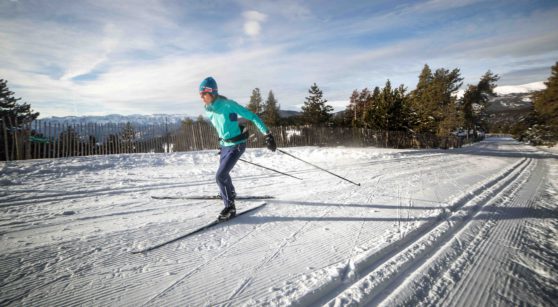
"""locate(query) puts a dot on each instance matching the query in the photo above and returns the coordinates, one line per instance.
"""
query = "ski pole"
(269, 169)
(288, 154)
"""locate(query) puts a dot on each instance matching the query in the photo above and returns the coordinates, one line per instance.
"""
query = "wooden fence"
(39, 140)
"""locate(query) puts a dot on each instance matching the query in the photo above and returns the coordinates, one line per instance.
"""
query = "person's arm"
(249, 115)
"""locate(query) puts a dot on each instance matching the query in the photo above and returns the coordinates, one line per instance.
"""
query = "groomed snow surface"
(475, 226)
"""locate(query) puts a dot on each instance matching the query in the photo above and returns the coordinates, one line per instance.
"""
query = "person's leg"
(229, 157)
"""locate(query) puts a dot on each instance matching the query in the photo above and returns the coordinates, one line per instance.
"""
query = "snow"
(523, 88)
(473, 226)
(503, 90)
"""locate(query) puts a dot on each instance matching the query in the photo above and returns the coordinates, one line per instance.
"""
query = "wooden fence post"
(5, 132)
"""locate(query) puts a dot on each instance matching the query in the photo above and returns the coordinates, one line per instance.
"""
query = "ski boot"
(228, 213)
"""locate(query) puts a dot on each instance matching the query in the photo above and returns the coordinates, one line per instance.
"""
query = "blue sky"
(81, 57)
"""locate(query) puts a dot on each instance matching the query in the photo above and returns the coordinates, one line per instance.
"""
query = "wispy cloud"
(149, 56)
(252, 23)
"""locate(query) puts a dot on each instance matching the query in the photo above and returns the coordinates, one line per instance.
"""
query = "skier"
(223, 114)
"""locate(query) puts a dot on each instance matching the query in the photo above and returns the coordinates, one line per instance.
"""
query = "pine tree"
(360, 110)
(356, 112)
(384, 105)
(470, 98)
(15, 117)
(271, 111)
(545, 106)
(425, 79)
(12, 112)
(434, 101)
(399, 110)
(475, 100)
(423, 103)
(390, 110)
(445, 84)
(370, 108)
(128, 136)
(315, 110)
(200, 119)
(187, 121)
(255, 104)
(350, 114)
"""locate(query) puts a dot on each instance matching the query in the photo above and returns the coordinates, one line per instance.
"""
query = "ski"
(201, 197)
(197, 230)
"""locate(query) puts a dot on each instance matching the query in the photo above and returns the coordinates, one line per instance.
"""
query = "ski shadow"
(364, 206)
(485, 214)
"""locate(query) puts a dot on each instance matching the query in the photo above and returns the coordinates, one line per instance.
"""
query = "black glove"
(270, 142)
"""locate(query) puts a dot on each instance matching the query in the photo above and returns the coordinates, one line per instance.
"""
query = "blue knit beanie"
(209, 85)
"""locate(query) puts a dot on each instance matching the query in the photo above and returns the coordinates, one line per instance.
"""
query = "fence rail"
(39, 140)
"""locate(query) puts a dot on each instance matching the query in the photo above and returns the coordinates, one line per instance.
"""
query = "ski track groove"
(423, 231)
(487, 265)
(510, 181)
(488, 226)
(479, 249)
(496, 227)
(507, 231)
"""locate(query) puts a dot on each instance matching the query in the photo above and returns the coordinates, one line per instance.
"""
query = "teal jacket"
(223, 114)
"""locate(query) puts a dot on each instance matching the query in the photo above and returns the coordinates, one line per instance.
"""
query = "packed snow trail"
(469, 226)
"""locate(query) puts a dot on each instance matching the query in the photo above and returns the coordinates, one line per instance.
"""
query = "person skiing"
(223, 114)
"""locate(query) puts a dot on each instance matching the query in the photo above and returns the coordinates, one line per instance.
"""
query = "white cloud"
(90, 59)
(438, 5)
(255, 16)
(252, 28)
(252, 22)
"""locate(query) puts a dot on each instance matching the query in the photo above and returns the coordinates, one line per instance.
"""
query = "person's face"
(207, 98)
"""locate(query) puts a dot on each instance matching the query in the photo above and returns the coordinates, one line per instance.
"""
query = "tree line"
(432, 107)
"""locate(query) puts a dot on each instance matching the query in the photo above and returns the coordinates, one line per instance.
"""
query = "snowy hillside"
(475, 226)
(520, 89)
(514, 97)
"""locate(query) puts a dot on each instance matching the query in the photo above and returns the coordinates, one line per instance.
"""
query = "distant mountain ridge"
(514, 97)
(512, 104)
(134, 119)
(118, 119)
